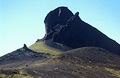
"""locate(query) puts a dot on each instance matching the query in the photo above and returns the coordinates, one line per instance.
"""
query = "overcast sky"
(22, 21)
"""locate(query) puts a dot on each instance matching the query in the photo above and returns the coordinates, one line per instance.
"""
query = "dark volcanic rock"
(56, 17)
(64, 27)
(25, 46)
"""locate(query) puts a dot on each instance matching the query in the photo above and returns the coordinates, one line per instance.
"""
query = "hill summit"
(64, 27)
(71, 48)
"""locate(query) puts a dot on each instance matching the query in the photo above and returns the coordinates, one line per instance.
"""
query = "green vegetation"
(78, 63)
(14, 73)
(113, 71)
(3, 76)
(18, 73)
(42, 47)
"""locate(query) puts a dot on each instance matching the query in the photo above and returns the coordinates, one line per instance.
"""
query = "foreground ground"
(87, 62)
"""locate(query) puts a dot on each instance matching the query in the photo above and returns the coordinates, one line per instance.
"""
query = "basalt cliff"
(67, 28)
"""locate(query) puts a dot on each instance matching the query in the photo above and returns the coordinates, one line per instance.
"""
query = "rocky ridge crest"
(66, 28)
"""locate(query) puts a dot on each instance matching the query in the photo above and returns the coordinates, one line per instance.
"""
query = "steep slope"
(75, 33)
(59, 17)
(49, 47)
(86, 62)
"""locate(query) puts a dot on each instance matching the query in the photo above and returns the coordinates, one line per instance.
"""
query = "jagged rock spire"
(25, 46)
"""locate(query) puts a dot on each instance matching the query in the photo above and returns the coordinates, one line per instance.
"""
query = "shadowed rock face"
(56, 17)
(64, 27)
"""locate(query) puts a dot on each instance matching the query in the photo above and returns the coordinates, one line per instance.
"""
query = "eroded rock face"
(70, 30)
(59, 16)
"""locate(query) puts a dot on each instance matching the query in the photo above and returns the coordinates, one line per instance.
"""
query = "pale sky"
(22, 21)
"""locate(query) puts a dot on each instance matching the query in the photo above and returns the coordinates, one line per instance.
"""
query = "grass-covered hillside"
(49, 47)
(86, 62)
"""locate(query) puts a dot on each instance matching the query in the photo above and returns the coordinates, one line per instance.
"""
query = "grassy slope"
(79, 63)
(48, 47)
(16, 73)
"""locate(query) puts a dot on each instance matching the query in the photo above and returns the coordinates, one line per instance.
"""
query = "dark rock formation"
(25, 46)
(64, 27)
(56, 17)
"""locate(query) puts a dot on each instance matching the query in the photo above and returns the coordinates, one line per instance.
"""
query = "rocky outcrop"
(22, 55)
(56, 17)
(64, 27)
